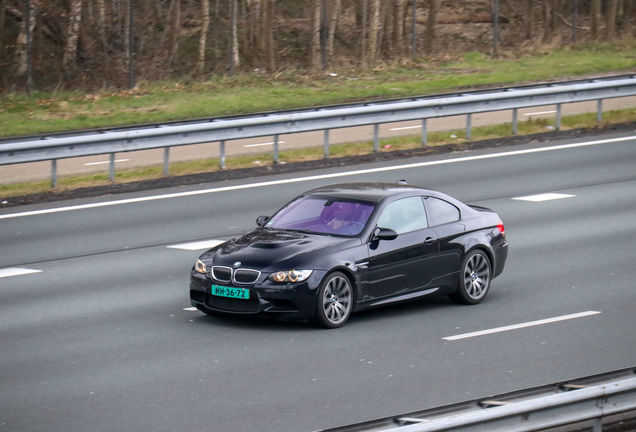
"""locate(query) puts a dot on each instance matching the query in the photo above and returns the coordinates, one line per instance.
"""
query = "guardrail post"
(275, 149)
(424, 133)
(166, 161)
(53, 173)
(599, 110)
(111, 168)
(469, 121)
(376, 138)
(325, 144)
(515, 121)
(557, 124)
(222, 155)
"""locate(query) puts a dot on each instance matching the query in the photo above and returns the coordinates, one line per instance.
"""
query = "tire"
(474, 279)
(334, 302)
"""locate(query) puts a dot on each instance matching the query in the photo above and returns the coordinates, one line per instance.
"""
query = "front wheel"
(474, 279)
(335, 301)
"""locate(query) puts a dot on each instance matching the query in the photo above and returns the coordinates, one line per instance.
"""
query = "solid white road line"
(7, 272)
(263, 144)
(405, 128)
(539, 113)
(317, 177)
(520, 326)
(207, 244)
(105, 162)
(544, 197)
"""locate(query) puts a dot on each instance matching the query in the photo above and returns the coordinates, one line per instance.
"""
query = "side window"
(440, 212)
(404, 215)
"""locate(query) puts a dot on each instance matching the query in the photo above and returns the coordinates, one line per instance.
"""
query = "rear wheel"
(335, 301)
(474, 278)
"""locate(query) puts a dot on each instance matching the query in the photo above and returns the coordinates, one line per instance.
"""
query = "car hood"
(261, 248)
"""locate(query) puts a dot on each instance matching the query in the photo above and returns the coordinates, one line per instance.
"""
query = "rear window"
(440, 212)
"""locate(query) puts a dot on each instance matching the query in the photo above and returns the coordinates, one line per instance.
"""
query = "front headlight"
(200, 267)
(290, 276)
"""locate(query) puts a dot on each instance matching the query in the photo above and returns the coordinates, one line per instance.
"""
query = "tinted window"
(404, 215)
(441, 212)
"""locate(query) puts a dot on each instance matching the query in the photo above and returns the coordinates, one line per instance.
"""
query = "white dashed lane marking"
(520, 326)
(200, 245)
(15, 271)
(544, 197)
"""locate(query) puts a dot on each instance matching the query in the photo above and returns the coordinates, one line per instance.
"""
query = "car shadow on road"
(385, 313)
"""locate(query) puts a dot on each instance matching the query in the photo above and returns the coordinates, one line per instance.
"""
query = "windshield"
(323, 215)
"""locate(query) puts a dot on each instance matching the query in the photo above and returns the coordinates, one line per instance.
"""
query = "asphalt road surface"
(96, 331)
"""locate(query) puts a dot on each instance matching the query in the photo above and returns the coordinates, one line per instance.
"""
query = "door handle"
(430, 240)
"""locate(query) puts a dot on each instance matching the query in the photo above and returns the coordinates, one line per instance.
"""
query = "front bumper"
(288, 301)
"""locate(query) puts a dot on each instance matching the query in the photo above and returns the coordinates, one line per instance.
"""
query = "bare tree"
(610, 20)
(72, 35)
(2, 18)
(333, 24)
(269, 35)
(399, 15)
(236, 59)
(21, 45)
(203, 38)
(595, 15)
(429, 32)
(374, 31)
(316, 12)
(175, 31)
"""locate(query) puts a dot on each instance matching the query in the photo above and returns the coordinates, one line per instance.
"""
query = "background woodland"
(93, 44)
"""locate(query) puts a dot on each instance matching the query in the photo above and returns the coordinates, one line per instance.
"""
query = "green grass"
(315, 153)
(46, 112)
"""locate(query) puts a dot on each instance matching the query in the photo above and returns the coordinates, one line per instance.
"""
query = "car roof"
(370, 191)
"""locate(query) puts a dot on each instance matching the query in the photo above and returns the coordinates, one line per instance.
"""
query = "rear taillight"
(500, 227)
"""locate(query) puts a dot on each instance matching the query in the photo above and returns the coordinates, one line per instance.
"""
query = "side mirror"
(261, 221)
(384, 234)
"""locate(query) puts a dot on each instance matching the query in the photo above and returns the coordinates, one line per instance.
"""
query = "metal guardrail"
(587, 399)
(220, 130)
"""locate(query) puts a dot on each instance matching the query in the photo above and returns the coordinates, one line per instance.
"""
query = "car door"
(445, 219)
(406, 263)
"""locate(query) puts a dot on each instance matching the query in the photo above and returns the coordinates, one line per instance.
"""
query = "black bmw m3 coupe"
(346, 247)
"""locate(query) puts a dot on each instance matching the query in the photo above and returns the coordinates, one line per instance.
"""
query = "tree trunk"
(364, 17)
(101, 19)
(2, 65)
(398, 26)
(175, 31)
(315, 34)
(72, 35)
(610, 20)
(205, 25)
(21, 44)
(429, 32)
(255, 35)
(374, 31)
(333, 26)
(269, 35)
(236, 59)
(595, 14)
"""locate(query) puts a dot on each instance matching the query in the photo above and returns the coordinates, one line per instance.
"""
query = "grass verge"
(47, 112)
